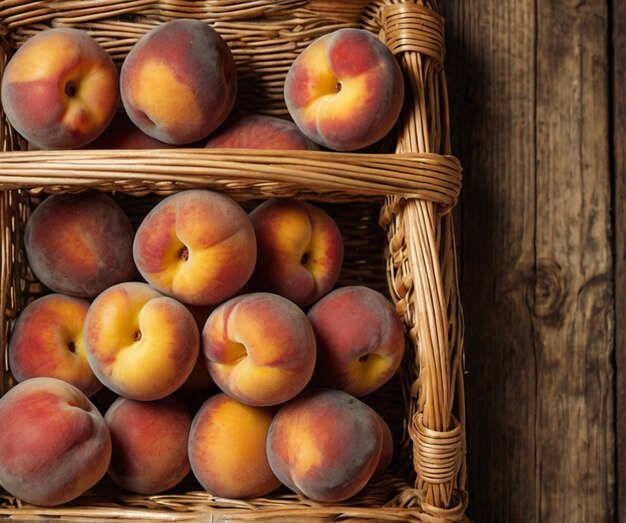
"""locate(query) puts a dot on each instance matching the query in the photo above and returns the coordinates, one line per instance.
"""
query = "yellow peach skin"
(140, 344)
(360, 339)
(345, 90)
(227, 448)
(299, 250)
(259, 348)
(325, 444)
(178, 83)
(54, 444)
(47, 341)
(60, 90)
(197, 246)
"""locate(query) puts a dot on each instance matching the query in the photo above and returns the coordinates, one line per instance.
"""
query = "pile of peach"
(178, 85)
(238, 310)
(226, 346)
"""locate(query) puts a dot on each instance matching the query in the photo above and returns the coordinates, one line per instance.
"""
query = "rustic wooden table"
(538, 108)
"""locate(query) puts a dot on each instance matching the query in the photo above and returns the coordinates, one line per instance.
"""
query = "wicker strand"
(414, 28)
(429, 177)
(439, 453)
(16, 13)
(415, 223)
(5, 281)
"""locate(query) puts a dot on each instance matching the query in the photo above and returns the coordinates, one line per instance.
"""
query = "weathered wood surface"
(537, 111)
(618, 144)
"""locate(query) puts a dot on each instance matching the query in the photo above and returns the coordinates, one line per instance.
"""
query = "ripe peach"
(79, 244)
(325, 444)
(227, 448)
(299, 250)
(360, 339)
(60, 89)
(178, 83)
(54, 444)
(48, 341)
(197, 246)
(122, 133)
(257, 131)
(345, 90)
(149, 443)
(388, 448)
(259, 348)
(140, 344)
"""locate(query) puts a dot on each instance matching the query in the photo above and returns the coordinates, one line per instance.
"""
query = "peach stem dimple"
(70, 89)
(363, 358)
(304, 259)
(137, 335)
(71, 347)
(184, 254)
(338, 87)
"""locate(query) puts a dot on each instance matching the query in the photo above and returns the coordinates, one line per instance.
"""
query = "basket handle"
(422, 266)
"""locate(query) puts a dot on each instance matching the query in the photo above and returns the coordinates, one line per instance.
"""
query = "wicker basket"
(392, 205)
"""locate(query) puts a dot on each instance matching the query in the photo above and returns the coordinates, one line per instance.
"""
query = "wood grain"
(618, 128)
(529, 92)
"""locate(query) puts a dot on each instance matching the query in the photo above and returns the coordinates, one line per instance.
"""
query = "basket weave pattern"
(393, 207)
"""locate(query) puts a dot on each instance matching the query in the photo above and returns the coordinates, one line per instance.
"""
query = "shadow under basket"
(393, 205)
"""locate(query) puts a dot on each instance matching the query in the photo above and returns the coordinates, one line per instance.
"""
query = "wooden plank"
(491, 92)
(529, 98)
(619, 155)
(574, 331)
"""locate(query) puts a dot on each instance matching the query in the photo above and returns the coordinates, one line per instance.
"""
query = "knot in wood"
(408, 27)
(546, 290)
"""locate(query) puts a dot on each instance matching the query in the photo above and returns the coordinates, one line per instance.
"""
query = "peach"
(360, 340)
(197, 246)
(48, 341)
(345, 90)
(60, 89)
(325, 444)
(388, 448)
(122, 133)
(258, 131)
(54, 444)
(140, 344)
(299, 250)
(227, 448)
(178, 83)
(149, 440)
(260, 348)
(79, 244)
